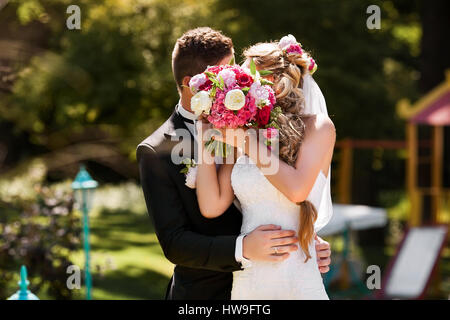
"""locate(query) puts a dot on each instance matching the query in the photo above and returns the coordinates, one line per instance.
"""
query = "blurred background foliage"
(114, 75)
(91, 95)
(42, 232)
(98, 91)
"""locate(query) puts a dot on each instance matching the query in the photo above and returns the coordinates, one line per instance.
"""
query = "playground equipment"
(346, 149)
(410, 271)
(431, 110)
(429, 200)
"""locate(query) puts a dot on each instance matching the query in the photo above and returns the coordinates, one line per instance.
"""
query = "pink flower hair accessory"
(312, 66)
(290, 45)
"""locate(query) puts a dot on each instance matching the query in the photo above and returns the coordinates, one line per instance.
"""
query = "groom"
(205, 251)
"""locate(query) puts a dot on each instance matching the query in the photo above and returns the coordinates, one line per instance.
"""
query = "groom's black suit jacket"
(203, 250)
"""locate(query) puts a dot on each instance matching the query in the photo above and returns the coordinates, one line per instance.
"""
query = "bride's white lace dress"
(262, 204)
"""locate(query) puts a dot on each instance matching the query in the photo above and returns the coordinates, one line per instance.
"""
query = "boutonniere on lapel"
(190, 172)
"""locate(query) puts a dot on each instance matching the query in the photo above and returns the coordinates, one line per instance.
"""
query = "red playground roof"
(432, 109)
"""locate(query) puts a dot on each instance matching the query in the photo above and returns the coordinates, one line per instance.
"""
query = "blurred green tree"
(114, 73)
(116, 69)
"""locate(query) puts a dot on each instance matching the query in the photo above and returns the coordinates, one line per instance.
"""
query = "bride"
(296, 196)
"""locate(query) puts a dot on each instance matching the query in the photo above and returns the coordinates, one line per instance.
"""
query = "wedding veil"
(315, 104)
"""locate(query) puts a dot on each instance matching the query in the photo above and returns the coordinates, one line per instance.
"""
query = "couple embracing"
(237, 230)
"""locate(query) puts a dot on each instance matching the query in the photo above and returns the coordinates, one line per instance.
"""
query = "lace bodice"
(261, 204)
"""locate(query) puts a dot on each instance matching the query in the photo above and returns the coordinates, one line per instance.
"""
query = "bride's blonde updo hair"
(288, 70)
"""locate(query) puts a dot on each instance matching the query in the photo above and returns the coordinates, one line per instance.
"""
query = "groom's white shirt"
(239, 241)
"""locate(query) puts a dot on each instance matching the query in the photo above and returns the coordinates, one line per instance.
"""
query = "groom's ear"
(185, 82)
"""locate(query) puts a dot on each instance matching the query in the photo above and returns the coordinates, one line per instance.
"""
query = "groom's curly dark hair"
(197, 49)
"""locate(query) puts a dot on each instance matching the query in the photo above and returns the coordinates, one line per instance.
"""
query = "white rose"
(235, 99)
(191, 177)
(201, 102)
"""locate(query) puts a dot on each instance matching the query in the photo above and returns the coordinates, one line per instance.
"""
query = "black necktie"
(184, 118)
(188, 121)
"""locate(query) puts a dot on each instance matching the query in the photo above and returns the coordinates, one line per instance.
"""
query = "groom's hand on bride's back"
(269, 243)
(323, 251)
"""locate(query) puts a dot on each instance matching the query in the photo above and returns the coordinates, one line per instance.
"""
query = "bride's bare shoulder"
(322, 125)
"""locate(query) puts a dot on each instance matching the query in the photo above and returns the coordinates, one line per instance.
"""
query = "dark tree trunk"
(435, 57)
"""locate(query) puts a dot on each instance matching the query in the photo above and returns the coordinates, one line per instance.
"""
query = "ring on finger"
(275, 250)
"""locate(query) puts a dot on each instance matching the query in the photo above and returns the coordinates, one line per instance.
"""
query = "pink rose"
(244, 80)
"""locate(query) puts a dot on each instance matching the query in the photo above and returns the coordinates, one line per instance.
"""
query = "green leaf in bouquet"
(265, 81)
(224, 150)
(252, 67)
(211, 76)
(263, 73)
(212, 94)
(218, 148)
(212, 146)
(245, 90)
(208, 144)
(218, 83)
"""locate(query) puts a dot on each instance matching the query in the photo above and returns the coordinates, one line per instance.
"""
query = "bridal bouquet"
(231, 96)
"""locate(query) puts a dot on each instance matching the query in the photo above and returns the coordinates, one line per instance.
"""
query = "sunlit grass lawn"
(126, 259)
